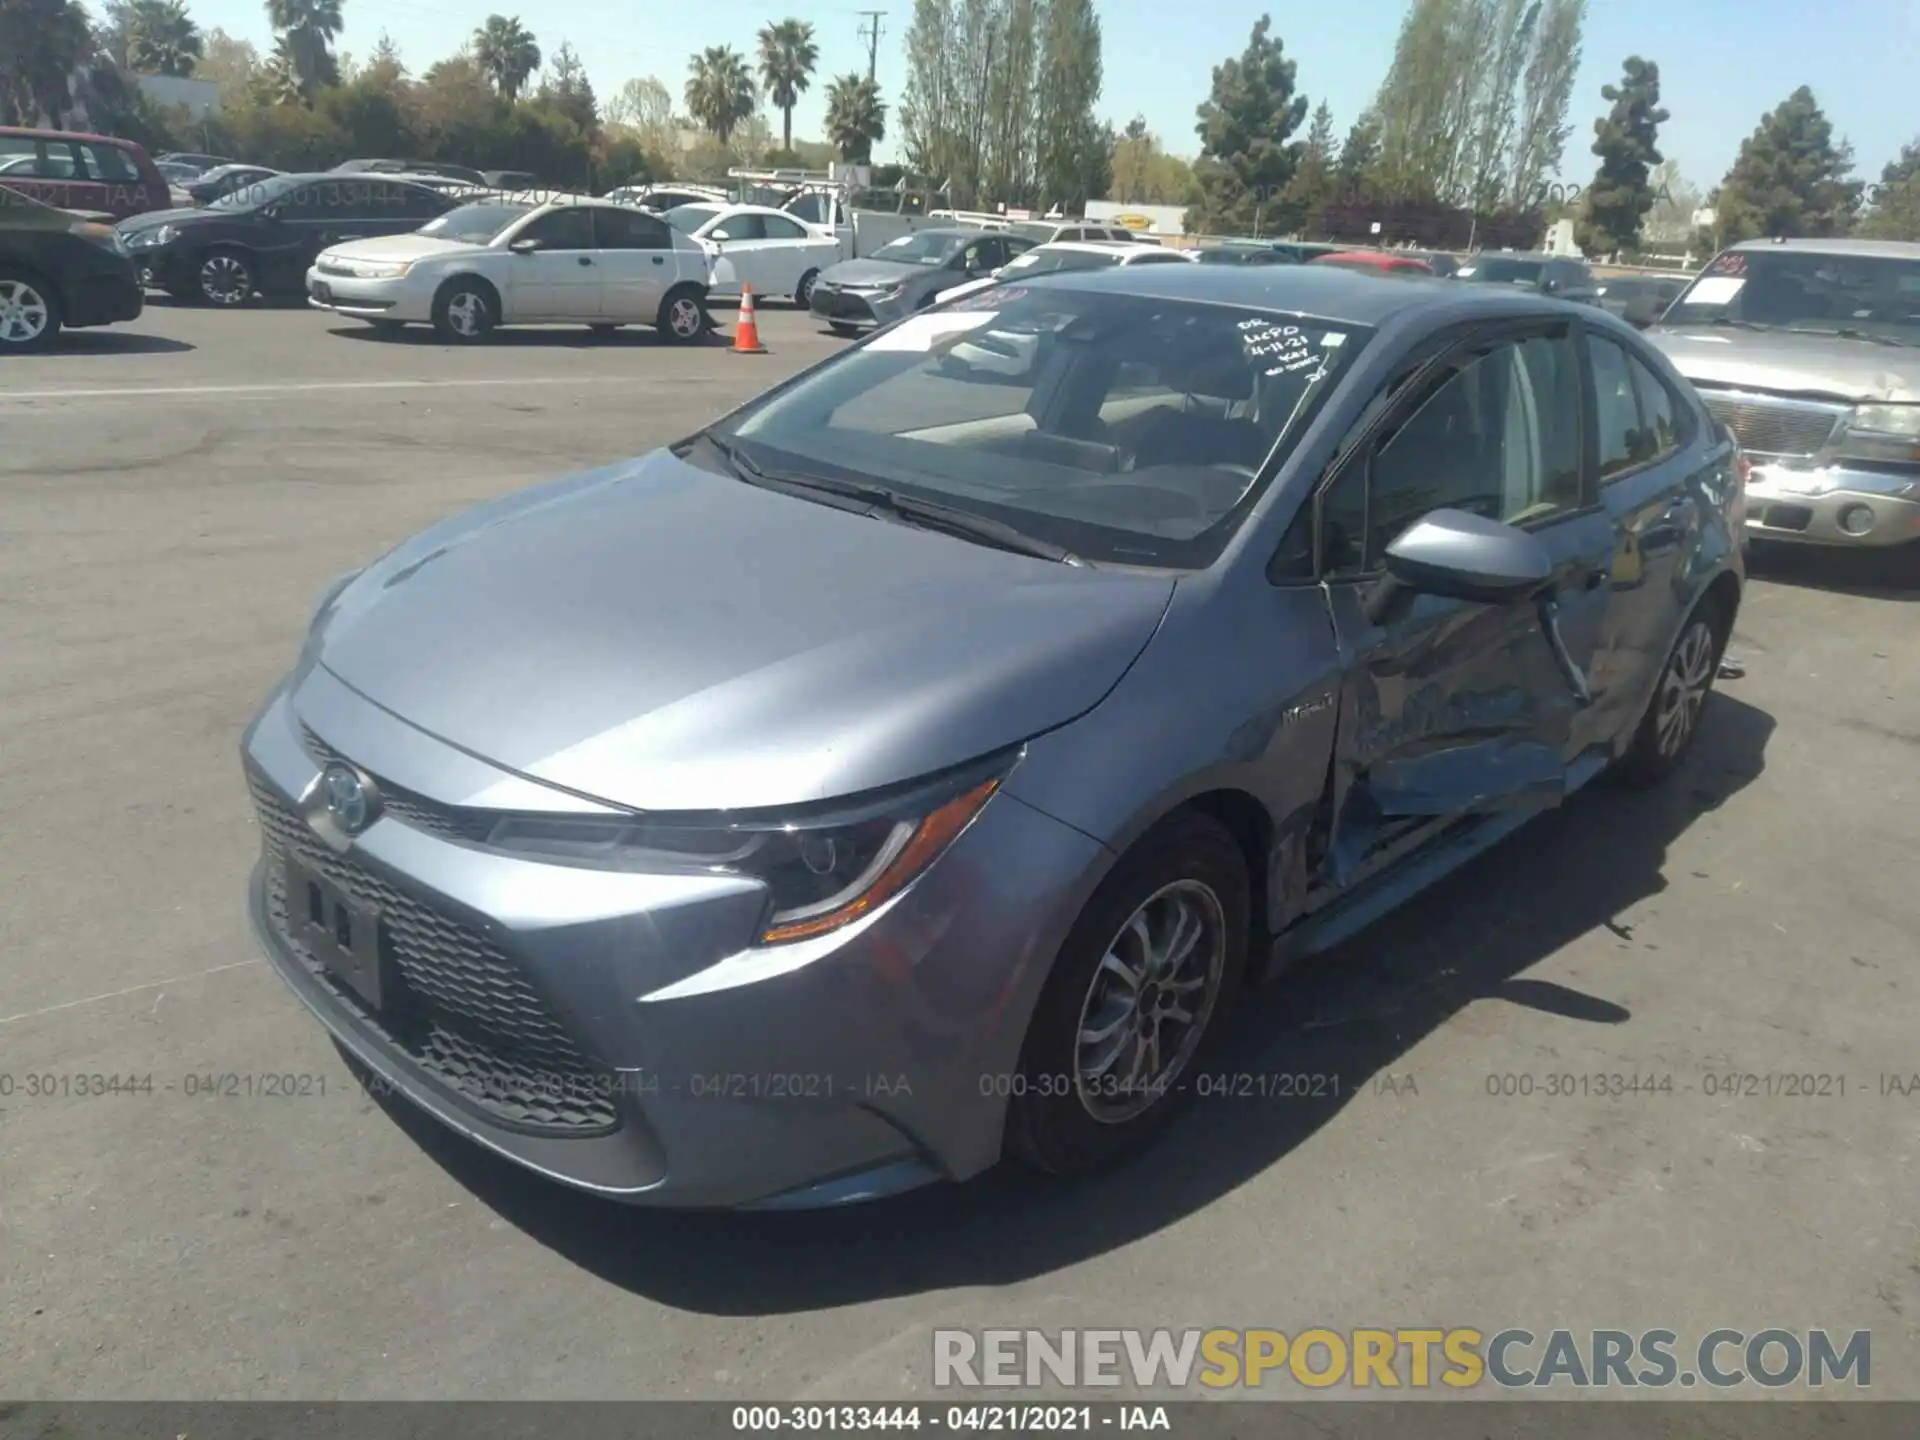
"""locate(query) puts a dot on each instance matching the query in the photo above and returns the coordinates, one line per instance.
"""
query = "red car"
(72, 171)
(1377, 262)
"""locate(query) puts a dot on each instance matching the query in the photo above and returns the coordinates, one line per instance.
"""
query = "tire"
(1666, 731)
(465, 312)
(1068, 1115)
(29, 312)
(224, 279)
(683, 316)
(841, 328)
(803, 292)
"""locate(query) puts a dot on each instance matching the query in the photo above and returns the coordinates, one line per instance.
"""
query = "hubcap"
(23, 312)
(1151, 998)
(224, 280)
(1683, 689)
(806, 291)
(467, 313)
(684, 317)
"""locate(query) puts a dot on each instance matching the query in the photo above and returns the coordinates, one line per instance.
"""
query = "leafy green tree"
(1246, 154)
(1072, 150)
(1790, 178)
(162, 38)
(1541, 132)
(1895, 207)
(720, 93)
(306, 30)
(1627, 141)
(565, 88)
(384, 70)
(788, 58)
(856, 117)
(1359, 156)
(229, 63)
(42, 44)
(1313, 182)
(507, 51)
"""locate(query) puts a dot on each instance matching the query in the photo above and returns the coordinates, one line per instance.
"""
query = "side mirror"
(525, 247)
(1467, 557)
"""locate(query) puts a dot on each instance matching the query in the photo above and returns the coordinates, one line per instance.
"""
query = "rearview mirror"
(524, 247)
(1468, 557)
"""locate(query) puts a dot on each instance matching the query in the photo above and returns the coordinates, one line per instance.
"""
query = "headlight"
(379, 269)
(165, 235)
(822, 872)
(1889, 433)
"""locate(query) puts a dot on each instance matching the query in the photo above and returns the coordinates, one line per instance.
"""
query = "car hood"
(154, 219)
(873, 272)
(663, 638)
(399, 248)
(1792, 363)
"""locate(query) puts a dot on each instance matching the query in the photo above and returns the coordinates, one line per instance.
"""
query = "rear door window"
(109, 163)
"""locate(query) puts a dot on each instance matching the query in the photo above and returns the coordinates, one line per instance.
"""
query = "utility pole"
(870, 31)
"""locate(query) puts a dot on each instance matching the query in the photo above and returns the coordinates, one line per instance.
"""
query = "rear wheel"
(29, 312)
(1672, 720)
(683, 318)
(465, 312)
(803, 293)
(1134, 998)
(225, 279)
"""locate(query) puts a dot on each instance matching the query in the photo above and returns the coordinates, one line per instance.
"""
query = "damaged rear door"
(1453, 709)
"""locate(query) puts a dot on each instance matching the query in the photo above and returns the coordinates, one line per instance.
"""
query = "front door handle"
(659, 259)
(586, 259)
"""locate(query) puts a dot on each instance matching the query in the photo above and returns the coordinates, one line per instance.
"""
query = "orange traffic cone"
(746, 330)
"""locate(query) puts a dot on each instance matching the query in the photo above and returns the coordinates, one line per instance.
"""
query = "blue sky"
(1722, 65)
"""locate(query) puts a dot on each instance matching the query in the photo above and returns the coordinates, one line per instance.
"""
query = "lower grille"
(464, 1012)
(1774, 427)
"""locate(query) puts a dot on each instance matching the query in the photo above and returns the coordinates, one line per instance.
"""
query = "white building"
(199, 98)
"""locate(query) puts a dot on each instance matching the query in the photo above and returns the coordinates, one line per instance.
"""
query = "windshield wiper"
(877, 499)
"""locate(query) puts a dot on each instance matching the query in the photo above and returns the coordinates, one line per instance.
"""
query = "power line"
(871, 31)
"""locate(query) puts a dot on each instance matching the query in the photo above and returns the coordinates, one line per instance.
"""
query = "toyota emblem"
(348, 798)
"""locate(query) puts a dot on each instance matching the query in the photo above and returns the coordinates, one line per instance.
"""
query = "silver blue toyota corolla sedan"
(911, 767)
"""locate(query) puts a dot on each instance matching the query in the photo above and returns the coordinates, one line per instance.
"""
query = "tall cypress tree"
(1790, 178)
(1246, 153)
(1625, 139)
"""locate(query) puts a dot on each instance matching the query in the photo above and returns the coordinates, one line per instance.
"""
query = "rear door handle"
(586, 259)
(659, 259)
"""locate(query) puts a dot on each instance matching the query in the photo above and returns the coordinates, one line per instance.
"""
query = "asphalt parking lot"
(172, 495)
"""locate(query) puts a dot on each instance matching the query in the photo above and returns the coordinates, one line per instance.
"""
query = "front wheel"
(225, 279)
(1672, 720)
(803, 293)
(465, 312)
(683, 318)
(1134, 997)
(29, 313)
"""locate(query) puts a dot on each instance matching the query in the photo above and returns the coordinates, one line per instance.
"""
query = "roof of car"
(1873, 249)
(1327, 291)
(29, 132)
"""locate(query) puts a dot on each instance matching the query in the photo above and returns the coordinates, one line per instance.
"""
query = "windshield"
(1807, 291)
(1501, 272)
(475, 224)
(923, 247)
(265, 192)
(1034, 229)
(1046, 262)
(689, 218)
(1127, 429)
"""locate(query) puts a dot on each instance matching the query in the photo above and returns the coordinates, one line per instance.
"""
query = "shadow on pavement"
(1353, 1012)
(1891, 573)
(112, 342)
(576, 337)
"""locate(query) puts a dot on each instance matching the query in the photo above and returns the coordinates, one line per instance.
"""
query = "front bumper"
(620, 1032)
(856, 307)
(104, 297)
(404, 297)
(1832, 506)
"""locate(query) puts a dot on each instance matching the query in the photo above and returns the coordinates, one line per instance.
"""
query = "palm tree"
(720, 91)
(856, 117)
(162, 38)
(506, 51)
(277, 82)
(41, 45)
(307, 29)
(787, 59)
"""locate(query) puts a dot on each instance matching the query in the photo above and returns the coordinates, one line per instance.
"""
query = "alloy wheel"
(467, 314)
(1683, 689)
(683, 318)
(225, 281)
(1149, 1003)
(23, 313)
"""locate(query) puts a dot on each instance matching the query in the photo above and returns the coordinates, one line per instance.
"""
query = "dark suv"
(92, 174)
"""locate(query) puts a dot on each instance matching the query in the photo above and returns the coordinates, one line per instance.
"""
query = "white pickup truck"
(820, 200)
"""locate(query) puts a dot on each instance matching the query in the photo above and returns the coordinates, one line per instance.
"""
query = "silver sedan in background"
(902, 772)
